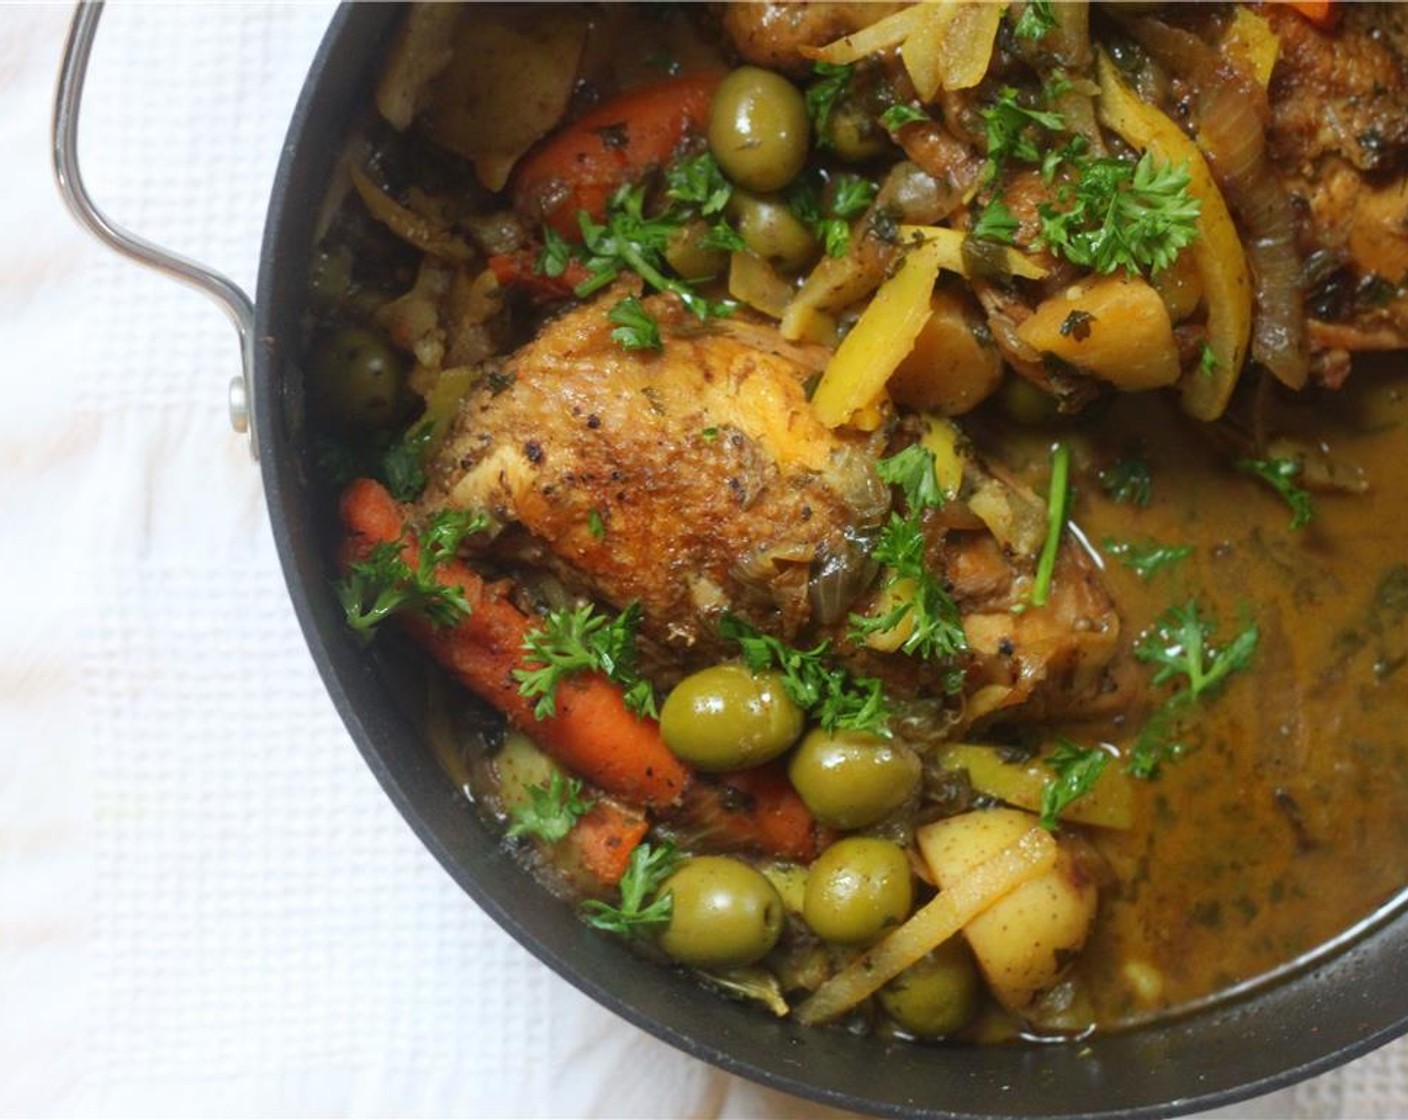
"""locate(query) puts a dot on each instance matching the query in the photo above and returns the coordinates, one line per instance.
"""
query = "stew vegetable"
(909, 478)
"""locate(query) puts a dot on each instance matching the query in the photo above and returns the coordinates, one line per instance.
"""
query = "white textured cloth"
(207, 906)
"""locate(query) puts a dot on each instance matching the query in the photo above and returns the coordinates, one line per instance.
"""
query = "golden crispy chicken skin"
(696, 480)
(664, 477)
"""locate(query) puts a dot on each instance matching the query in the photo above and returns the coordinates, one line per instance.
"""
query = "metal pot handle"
(229, 295)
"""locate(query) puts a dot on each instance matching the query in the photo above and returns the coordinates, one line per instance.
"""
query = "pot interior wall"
(1300, 1027)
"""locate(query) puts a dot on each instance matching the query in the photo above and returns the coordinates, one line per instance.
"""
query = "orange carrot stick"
(583, 165)
(754, 810)
(519, 270)
(601, 842)
(593, 733)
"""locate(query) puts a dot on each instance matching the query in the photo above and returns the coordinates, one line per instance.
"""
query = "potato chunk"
(1023, 942)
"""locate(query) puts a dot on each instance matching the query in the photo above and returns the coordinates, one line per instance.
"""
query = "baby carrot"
(593, 733)
(582, 166)
(753, 810)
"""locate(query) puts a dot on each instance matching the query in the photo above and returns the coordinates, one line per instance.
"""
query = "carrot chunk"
(583, 165)
(594, 734)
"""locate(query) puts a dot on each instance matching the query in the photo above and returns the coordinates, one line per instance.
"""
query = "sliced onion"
(1230, 130)
(841, 572)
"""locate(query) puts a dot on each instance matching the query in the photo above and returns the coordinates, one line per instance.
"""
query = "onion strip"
(952, 909)
(1217, 251)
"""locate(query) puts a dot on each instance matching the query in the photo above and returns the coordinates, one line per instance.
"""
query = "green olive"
(358, 381)
(689, 256)
(723, 913)
(857, 889)
(728, 718)
(758, 129)
(937, 995)
(772, 231)
(851, 780)
(1027, 405)
(855, 133)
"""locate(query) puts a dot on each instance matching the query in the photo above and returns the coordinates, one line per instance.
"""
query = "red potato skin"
(582, 166)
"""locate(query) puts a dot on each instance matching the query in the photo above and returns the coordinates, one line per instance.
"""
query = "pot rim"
(1233, 1051)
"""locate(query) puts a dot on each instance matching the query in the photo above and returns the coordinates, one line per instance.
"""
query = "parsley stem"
(595, 283)
(1057, 499)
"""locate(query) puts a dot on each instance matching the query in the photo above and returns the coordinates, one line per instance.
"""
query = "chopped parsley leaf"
(1076, 771)
(628, 240)
(829, 85)
(1144, 558)
(636, 328)
(698, 182)
(580, 640)
(383, 583)
(1207, 360)
(833, 696)
(1281, 475)
(936, 632)
(996, 223)
(897, 116)
(403, 463)
(647, 868)
(1120, 215)
(1013, 129)
(555, 254)
(551, 810)
(1036, 20)
(1180, 645)
(912, 470)
(1129, 482)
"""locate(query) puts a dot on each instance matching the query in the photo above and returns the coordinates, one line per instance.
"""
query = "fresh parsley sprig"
(647, 868)
(912, 470)
(636, 328)
(1128, 481)
(836, 699)
(1147, 557)
(383, 584)
(1281, 475)
(1036, 20)
(1180, 645)
(629, 241)
(829, 84)
(1120, 215)
(582, 640)
(1077, 769)
(936, 626)
(996, 223)
(551, 809)
(1057, 502)
(827, 208)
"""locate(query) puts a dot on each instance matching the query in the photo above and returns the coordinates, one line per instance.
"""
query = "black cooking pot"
(1269, 1036)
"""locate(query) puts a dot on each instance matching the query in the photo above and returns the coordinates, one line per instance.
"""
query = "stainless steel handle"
(225, 292)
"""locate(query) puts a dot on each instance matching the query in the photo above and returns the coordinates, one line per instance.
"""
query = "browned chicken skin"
(692, 464)
(696, 481)
(1339, 137)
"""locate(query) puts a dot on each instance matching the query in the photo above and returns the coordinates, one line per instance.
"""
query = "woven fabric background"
(207, 906)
